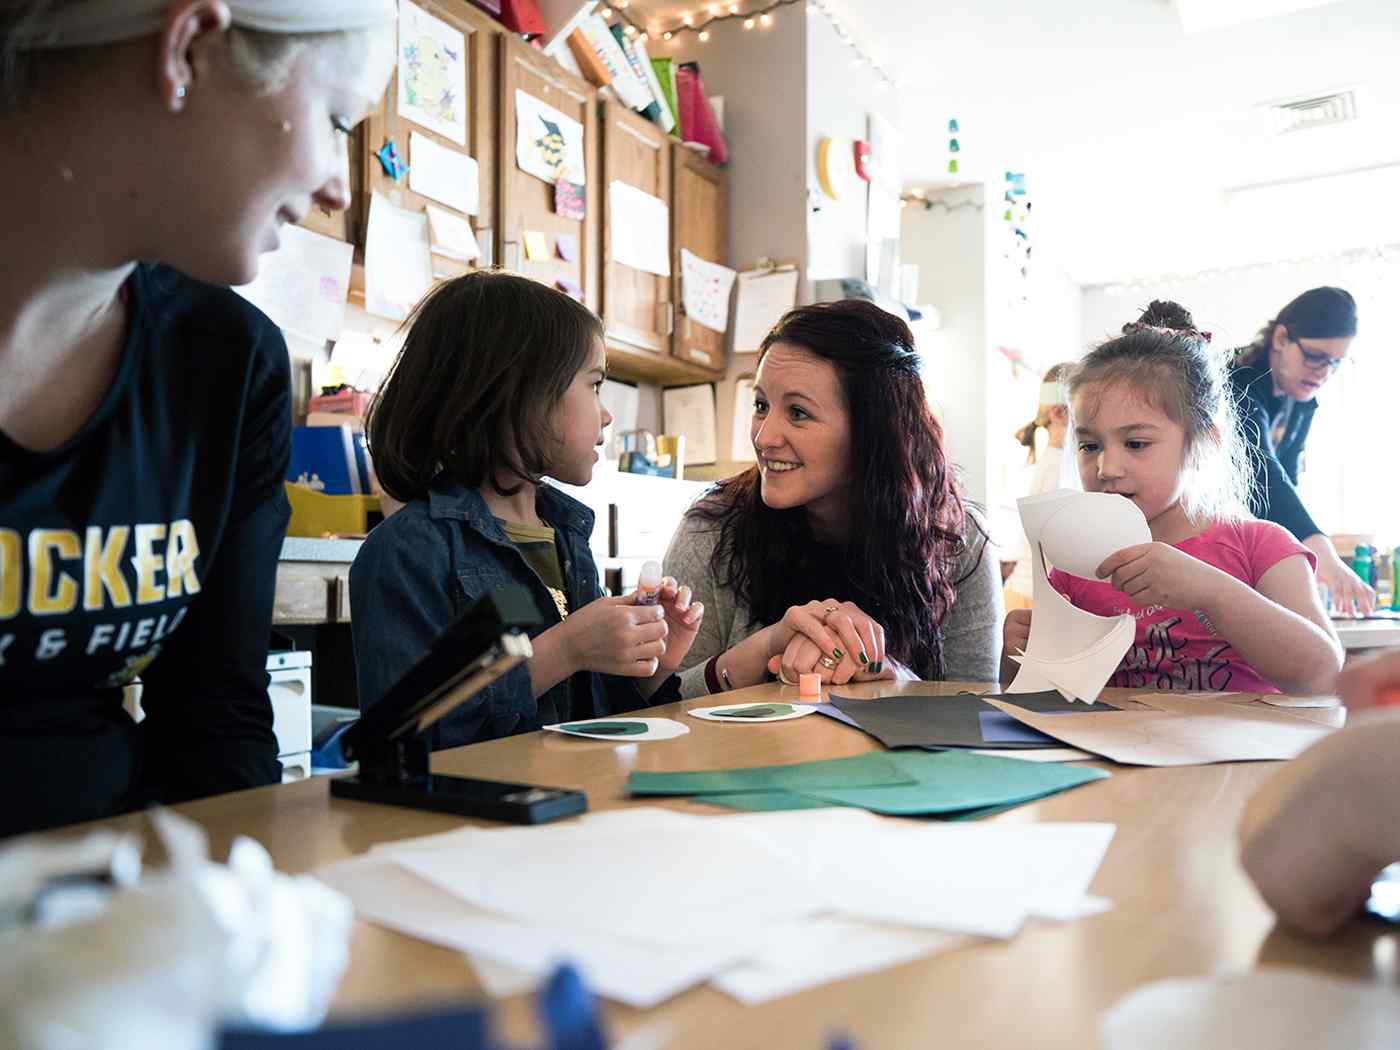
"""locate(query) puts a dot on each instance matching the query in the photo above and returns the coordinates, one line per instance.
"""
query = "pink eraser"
(809, 687)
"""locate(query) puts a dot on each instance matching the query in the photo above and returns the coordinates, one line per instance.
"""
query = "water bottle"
(1361, 563)
(1395, 579)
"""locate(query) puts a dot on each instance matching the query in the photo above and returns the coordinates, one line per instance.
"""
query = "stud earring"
(180, 91)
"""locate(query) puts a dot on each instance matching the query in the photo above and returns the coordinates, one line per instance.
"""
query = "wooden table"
(1182, 905)
(1358, 635)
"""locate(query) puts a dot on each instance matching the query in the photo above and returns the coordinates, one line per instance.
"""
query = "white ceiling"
(1131, 130)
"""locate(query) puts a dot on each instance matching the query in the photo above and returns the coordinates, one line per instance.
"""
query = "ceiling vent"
(1315, 111)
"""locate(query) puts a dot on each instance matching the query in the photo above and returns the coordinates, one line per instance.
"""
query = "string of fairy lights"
(751, 17)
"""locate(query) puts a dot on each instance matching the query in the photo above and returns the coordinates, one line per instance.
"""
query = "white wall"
(948, 243)
(1341, 482)
(840, 98)
(761, 75)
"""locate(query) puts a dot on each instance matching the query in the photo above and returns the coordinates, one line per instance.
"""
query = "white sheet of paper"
(760, 301)
(432, 73)
(1179, 732)
(1069, 649)
(807, 953)
(1083, 675)
(708, 713)
(796, 879)
(656, 729)
(690, 410)
(547, 143)
(624, 883)
(398, 259)
(705, 289)
(1271, 1009)
(1090, 527)
(639, 229)
(443, 174)
(640, 975)
(452, 235)
(303, 285)
(982, 879)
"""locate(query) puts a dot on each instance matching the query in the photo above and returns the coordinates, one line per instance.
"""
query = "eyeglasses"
(1314, 360)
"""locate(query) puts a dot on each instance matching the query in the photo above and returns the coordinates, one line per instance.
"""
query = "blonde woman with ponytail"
(1053, 416)
(153, 151)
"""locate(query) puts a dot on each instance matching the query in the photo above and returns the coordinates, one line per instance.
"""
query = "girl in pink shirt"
(1223, 602)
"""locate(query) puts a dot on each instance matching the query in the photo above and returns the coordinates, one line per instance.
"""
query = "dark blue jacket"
(422, 567)
(1274, 497)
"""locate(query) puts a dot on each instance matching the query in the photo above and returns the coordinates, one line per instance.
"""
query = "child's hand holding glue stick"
(682, 616)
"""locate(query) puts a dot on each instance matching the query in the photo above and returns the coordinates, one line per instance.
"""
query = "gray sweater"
(971, 632)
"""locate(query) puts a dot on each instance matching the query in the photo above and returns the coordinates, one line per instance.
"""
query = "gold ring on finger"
(828, 663)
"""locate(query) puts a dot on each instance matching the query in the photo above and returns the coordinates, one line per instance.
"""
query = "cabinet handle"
(670, 317)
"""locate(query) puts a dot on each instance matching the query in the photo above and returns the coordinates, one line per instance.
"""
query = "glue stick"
(809, 688)
(649, 585)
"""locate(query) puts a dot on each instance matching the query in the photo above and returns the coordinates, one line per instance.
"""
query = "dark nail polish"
(863, 659)
(880, 666)
(836, 654)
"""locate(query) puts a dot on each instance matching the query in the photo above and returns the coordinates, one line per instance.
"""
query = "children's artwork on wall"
(569, 202)
(705, 288)
(548, 144)
(432, 73)
(390, 161)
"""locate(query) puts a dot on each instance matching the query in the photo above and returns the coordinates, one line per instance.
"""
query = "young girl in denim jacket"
(496, 388)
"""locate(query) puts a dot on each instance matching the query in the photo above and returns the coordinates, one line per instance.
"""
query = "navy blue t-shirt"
(146, 545)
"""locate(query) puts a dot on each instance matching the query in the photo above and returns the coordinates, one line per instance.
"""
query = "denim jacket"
(417, 572)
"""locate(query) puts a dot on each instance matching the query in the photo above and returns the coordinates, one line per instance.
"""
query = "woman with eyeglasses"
(1275, 381)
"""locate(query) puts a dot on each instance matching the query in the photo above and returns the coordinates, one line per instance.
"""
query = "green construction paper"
(754, 711)
(764, 801)
(956, 781)
(605, 728)
(875, 769)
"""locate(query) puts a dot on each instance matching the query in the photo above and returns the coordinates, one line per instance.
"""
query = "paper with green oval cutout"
(629, 730)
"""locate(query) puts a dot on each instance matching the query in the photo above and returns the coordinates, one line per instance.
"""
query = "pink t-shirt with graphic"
(1173, 650)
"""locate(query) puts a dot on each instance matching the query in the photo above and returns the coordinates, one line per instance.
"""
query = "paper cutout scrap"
(569, 288)
(566, 247)
(1069, 649)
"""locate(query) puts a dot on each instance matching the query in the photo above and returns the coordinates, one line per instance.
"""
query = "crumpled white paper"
(166, 960)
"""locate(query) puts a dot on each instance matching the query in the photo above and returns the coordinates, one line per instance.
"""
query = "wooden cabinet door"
(637, 313)
(482, 119)
(527, 202)
(700, 224)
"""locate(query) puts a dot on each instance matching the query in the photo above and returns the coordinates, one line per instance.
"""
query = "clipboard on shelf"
(762, 296)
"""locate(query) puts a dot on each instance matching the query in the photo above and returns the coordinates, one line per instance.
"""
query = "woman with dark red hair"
(846, 550)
